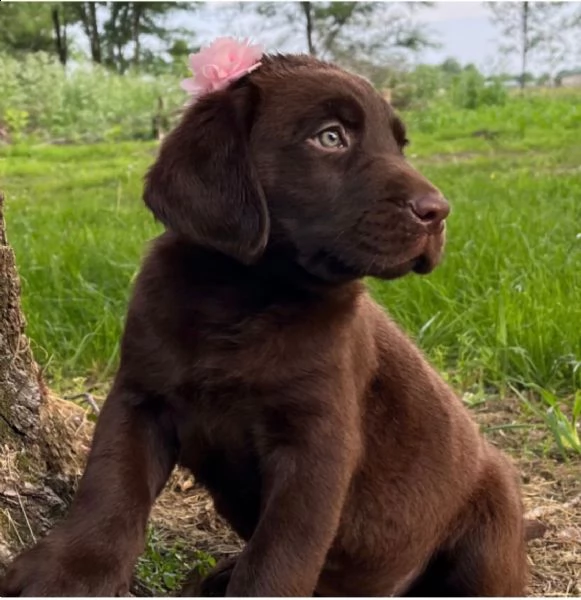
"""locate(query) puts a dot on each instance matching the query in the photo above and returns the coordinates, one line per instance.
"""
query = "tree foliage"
(25, 27)
(118, 35)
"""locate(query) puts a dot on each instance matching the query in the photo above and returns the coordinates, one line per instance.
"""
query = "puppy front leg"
(305, 485)
(92, 552)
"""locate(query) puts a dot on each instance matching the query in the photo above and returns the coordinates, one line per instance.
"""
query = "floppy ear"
(203, 185)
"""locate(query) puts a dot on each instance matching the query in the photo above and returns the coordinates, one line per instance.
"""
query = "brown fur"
(254, 356)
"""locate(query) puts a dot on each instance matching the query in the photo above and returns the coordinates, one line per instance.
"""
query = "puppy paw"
(51, 568)
(214, 585)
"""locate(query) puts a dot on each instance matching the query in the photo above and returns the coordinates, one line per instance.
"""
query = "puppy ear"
(203, 185)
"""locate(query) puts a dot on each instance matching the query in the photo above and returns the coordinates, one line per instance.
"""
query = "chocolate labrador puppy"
(254, 356)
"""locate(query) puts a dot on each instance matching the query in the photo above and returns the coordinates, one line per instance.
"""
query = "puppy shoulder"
(376, 319)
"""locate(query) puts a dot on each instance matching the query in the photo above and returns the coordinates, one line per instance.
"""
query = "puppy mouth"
(423, 265)
(334, 266)
(424, 259)
(338, 270)
(395, 272)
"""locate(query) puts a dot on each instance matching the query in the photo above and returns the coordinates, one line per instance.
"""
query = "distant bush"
(416, 88)
(470, 89)
(426, 84)
(84, 103)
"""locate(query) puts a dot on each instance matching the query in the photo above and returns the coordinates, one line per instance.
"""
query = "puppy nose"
(431, 208)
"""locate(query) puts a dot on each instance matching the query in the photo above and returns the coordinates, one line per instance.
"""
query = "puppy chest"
(220, 454)
(215, 431)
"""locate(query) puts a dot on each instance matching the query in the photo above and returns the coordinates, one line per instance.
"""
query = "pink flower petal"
(191, 87)
(223, 61)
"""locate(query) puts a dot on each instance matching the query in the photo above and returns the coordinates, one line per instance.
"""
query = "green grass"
(543, 121)
(503, 304)
(165, 564)
(502, 309)
(79, 230)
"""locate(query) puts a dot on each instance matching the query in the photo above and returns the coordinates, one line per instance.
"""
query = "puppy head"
(304, 158)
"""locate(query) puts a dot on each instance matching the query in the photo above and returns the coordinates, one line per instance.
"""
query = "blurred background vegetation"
(89, 71)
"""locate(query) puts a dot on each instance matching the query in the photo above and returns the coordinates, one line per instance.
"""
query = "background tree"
(533, 29)
(86, 15)
(451, 66)
(62, 16)
(128, 24)
(26, 28)
(116, 30)
(119, 35)
(340, 30)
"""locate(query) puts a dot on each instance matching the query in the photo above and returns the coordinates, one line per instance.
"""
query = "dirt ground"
(552, 495)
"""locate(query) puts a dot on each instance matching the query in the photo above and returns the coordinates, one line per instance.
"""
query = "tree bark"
(43, 440)
(60, 32)
(87, 15)
(136, 34)
(525, 44)
(307, 9)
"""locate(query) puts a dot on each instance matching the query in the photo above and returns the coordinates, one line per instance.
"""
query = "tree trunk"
(87, 15)
(525, 44)
(95, 39)
(307, 9)
(43, 440)
(136, 34)
(60, 32)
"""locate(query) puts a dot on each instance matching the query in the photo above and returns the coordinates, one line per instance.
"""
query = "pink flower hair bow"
(225, 60)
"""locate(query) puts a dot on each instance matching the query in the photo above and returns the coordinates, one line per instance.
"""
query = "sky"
(465, 32)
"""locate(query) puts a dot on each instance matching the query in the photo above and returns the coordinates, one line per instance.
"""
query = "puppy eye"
(331, 138)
